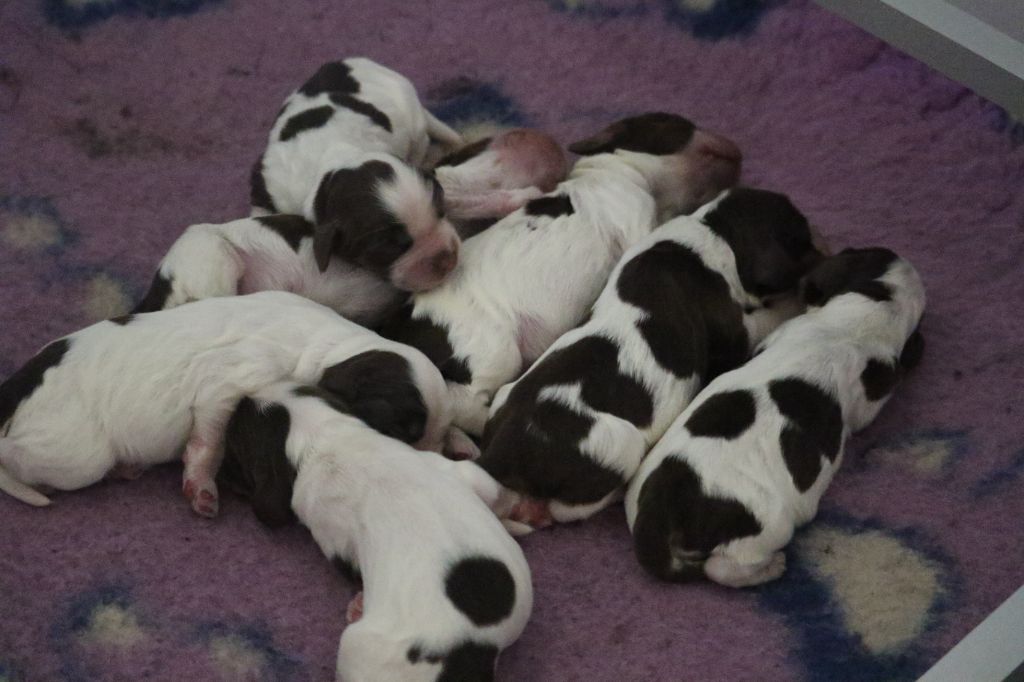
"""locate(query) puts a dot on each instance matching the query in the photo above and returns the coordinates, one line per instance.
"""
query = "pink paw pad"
(534, 513)
(355, 608)
(206, 504)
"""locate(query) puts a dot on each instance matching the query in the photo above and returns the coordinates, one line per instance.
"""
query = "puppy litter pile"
(312, 417)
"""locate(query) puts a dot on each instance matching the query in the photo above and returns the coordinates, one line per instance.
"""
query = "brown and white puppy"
(746, 463)
(684, 305)
(445, 588)
(139, 390)
(533, 275)
(343, 154)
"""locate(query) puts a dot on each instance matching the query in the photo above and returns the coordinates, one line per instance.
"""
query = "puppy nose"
(718, 147)
(445, 262)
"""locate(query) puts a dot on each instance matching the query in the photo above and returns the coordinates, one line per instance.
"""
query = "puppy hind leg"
(204, 453)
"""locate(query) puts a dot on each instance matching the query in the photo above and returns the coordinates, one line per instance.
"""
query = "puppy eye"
(388, 246)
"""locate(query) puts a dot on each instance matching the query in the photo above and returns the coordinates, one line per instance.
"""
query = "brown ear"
(603, 142)
(913, 351)
(324, 237)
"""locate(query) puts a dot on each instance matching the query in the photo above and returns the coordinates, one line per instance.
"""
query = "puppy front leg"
(727, 571)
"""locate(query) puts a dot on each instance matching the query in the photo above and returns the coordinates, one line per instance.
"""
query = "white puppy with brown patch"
(372, 504)
(342, 154)
(131, 392)
(746, 463)
(532, 276)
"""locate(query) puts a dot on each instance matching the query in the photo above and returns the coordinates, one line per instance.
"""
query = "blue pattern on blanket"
(71, 14)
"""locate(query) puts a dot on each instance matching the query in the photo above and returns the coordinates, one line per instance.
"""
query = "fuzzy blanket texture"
(124, 121)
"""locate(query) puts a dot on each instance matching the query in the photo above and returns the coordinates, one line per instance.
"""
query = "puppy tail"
(15, 488)
(441, 132)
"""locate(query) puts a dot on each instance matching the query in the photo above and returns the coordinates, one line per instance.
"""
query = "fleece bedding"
(124, 121)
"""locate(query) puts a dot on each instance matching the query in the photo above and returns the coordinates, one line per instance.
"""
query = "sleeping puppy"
(267, 253)
(490, 178)
(128, 393)
(372, 503)
(746, 463)
(342, 154)
(275, 252)
(533, 275)
(351, 103)
(684, 305)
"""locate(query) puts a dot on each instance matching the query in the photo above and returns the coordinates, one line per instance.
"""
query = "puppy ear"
(913, 351)
(603, 142)
(255, 464)
(379, 388)
(326, 238)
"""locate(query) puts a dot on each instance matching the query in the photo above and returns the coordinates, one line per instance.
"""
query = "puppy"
(354, 102)
(372, 503)
(275, 252)
(339, 154)
(746, 463)
(131, 392)
(533, 275)
(494, 176)
(266, 253)
(684, 304)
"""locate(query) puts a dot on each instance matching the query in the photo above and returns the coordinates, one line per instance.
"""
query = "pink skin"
(518, 165)
(355, 608)
(198, 485)
(717, 165)
(528, 158)
(531, 512)
(428, 263)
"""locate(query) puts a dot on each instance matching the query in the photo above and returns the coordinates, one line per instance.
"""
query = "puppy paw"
(202, 496)
(775, 568)
(532, 513)
(355, 608)
(459, 446)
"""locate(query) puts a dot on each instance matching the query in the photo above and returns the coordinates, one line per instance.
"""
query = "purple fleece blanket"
(123, 121)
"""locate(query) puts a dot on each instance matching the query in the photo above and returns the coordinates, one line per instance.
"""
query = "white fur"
(402, 517)
(293, 168)
(136, 394)
(529, 279)
(828, 347)
(615, 443)
(244, 256)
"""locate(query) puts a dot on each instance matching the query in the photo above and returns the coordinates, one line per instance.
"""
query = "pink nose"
(719, 147)
(445, 262)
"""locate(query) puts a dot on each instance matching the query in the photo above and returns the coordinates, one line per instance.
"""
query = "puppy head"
(388, 218)
(686, 166)
(879, 275)
(859, 271)
(401, 397)
(369, 654)
(772, 241)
